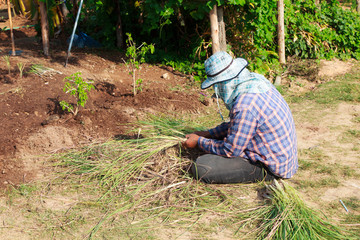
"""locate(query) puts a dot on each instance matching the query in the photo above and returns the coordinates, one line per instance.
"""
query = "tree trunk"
(281, 35)
(11, 30)
(317, 3)
(119, 29)
(222, 32)
(214, 30)
(44, 28)
(358, 6)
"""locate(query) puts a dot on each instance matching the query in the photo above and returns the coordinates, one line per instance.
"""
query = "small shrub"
(136, 57)
(78, 88)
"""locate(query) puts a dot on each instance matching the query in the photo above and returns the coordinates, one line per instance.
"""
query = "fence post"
(281, 34)
(222, 32)
(13, 53)
(44, 28)
(214, 25)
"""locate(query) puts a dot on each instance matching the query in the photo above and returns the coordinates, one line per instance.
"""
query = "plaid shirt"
(261, 128)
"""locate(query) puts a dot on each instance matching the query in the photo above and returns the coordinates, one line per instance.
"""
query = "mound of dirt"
(334, 68)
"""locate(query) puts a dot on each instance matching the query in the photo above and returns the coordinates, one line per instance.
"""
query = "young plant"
(7, 61)
(136, 56)
(21, 67)
(78, 88)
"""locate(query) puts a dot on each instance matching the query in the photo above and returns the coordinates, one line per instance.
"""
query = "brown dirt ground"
(32, 121)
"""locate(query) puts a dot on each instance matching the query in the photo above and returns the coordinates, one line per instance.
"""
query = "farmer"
(259, 141)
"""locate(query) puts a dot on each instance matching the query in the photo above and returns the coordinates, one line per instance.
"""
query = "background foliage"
(180, 29)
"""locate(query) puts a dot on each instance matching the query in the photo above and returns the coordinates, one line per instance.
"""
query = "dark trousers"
(211, 168)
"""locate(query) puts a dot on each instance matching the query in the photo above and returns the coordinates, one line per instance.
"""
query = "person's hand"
(205, 134)
(191, 141)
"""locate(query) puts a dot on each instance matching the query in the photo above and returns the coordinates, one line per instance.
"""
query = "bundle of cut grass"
(145, 174)
(41, 70)
(118, 163)
(287, 217)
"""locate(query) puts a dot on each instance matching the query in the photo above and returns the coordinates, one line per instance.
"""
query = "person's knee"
(199, 171)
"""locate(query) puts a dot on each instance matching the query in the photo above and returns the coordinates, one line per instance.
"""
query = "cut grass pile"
(286, 216)
(147, 172)
(137, 158)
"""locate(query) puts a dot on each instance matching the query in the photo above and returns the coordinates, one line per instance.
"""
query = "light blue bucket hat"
(222, 67)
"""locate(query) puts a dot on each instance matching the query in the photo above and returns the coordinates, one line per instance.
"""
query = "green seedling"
(77, 87)
(136, 56)
(21, 67)
(7, 61)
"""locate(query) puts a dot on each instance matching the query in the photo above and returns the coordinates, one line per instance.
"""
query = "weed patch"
(343, 89)
(320, 183)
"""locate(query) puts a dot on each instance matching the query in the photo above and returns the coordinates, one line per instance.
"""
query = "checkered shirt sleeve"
(261, 128)
(220, 131)
(237, 133)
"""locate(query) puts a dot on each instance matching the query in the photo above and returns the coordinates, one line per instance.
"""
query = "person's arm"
(241, 129)
(220, 132)
(205, 134)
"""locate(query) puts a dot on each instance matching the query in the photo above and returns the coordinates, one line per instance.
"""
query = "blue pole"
(73, 32)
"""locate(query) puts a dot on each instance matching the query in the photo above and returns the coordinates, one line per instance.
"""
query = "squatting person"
(259, 141)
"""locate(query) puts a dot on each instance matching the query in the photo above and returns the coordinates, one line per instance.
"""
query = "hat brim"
(234, 70)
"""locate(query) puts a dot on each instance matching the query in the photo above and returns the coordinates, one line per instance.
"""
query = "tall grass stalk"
(21, 67)
(7, 61)
(287, 217)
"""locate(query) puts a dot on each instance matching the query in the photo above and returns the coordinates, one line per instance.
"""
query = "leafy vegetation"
(136, 56)
(312, 31)
(77, 87)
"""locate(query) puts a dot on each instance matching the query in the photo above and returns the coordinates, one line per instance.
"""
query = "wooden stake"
(44, 28)
(281, 35)
(13, 53)
(214, 30)
(358, 6)
(222, 32)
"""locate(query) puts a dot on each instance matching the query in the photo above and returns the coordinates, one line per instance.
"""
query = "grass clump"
(41, 70)
(7, 61)
(21, 67)
(345, 88)
(287, 217)
(321, 183)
